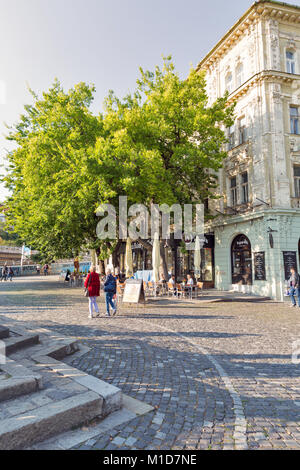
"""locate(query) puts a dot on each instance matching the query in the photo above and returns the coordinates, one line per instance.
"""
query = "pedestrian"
(10, 273)
(92, 283)
(294, 287)
(110, 289)
(38, 269)
(4, 273)
(46, 268)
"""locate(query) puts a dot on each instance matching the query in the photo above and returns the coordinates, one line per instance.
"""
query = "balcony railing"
(10, 249)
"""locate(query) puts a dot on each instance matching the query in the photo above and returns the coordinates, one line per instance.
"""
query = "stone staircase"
(40, 396)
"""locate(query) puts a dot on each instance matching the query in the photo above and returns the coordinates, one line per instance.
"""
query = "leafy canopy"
(161, 144)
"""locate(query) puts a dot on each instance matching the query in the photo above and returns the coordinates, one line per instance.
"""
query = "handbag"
(86, 290)
(287, 292)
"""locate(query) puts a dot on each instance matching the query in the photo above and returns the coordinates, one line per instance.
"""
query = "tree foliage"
(161, 144)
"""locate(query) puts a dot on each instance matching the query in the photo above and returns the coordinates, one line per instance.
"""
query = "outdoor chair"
(146, 290)
(172, 291)
(120, 293)
(180, 291)
(151, 288)
(199, 288)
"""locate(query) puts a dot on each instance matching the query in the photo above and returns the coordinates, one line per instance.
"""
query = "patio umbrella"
(156, 258)
(197, 257)
(128, 259)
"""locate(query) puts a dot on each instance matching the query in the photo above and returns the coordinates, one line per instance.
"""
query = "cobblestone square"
(219, 375)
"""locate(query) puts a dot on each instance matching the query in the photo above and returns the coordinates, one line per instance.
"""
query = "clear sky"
(101, 42)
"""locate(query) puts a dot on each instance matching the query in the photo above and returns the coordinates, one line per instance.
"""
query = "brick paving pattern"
(220, 375)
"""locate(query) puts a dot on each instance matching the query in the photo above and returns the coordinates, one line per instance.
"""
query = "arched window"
(228, 82)
(241, 259)
(290, 62)
(239, 75)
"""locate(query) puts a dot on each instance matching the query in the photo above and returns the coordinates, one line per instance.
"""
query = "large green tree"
(52, 206)
(164, 143)
(161, 144)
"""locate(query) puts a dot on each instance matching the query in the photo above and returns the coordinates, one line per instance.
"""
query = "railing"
(10, 249)
(296, 202)
(14, 250)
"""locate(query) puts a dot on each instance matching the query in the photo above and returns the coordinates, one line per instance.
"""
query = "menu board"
(290, 261)
(134, 291)
(260, 266)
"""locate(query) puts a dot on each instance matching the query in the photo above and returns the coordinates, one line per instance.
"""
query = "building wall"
(259, 41)
(286, 235)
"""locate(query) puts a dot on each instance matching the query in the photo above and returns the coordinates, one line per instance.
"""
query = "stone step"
(39, 424)
(15, 343)
(12, 388)
(19, 380)
(4, 332)
(111, 395)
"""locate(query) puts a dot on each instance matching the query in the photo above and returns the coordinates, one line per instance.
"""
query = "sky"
(103, 42)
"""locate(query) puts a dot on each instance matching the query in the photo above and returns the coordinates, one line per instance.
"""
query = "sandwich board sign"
(134, 292)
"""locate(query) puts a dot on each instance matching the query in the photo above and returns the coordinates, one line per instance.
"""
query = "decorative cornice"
(266, 75)
(259, 10)
(258, 213)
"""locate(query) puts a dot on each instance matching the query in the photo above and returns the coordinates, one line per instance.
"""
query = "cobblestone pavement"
(220, 375)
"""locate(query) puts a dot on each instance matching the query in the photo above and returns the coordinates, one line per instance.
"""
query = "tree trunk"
(101, 266)
(115, 258)
(163, 259)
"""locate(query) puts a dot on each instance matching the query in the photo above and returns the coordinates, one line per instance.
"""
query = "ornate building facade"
(257, 228)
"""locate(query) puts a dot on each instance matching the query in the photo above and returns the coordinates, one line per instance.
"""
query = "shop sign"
(260, 266)
(290, 261)
(134, 291)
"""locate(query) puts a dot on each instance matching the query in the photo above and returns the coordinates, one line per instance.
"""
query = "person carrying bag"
(110, 289)
(92, 291)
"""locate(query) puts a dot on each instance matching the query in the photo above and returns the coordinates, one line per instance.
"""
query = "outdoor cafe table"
(190, 289)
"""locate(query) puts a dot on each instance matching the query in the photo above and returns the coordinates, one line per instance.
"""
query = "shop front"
(241, 256)
(185, 262)
(180, 262)
(254, 253)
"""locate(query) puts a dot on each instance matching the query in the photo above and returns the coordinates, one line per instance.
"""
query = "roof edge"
(240, 21)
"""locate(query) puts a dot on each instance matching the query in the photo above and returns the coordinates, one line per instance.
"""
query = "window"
(233, 191)
(242, 131)
(294, 118)
(245, 188)
(231, 142)
(228, 83)
(239, 75)
(297, 180)
(290, 62)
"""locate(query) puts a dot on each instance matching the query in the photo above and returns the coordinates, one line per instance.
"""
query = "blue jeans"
(109, 301)
(294, 292)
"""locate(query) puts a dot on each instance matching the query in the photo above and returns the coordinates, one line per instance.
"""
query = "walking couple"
(92, 283)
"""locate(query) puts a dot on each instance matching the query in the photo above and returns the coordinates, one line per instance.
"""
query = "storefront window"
(241, 257)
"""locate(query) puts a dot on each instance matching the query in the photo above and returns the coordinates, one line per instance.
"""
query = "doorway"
(241, 260)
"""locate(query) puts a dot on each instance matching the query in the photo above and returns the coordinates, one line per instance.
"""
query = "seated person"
(190, 281)
(173, 284)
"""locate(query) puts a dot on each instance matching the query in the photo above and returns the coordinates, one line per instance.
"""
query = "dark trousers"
(109, 301)
(295, 291)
